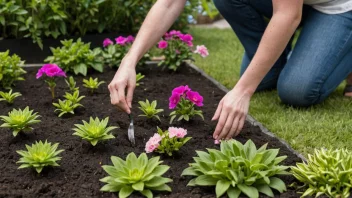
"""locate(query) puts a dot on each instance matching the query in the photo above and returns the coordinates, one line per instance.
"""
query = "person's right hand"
(125, 78)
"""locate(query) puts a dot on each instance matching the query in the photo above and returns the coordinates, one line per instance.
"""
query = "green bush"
(10, 69)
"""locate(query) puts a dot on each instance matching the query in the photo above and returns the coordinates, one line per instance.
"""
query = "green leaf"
(205, 180)
(277, 184)
(221, 187)
(138, 186)
(147, 193)
(265, 189)
(233, 192)
(189, 171)
(157, 181)
(248, 190)
(125, 192)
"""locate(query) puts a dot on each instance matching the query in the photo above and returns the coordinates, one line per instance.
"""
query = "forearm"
(275, 39)
(158, 21)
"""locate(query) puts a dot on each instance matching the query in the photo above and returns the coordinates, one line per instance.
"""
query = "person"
(304, 76)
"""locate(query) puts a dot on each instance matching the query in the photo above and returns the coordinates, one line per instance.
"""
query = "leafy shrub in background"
(135, 174)
(10, 69)
(238, 168)
(9, 97)
(76, 57)
(327, 172)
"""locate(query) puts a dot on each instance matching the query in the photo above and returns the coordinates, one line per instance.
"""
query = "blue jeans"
(320, 61)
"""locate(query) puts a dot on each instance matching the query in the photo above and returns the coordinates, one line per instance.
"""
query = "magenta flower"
(107, 42)
(181, 90)
(177, 132)
(50, 70)
(167, 36)
(121, 40)
(162, 44)
(202, 50)
(175, 33)
(129, 39)
(186, 38)
(195, 98)
(153, 143)
(173, 101)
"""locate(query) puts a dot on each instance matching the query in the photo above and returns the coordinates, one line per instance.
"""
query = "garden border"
(249, 118)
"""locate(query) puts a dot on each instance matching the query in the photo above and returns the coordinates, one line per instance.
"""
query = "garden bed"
(80, 167)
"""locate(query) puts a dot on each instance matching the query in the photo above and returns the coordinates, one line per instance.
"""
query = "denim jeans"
(319, 62)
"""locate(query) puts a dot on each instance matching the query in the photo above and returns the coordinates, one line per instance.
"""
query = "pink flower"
(121, 40)
(175, 33)
(216, 142)
(153, 143)
(202, 50)
(129, 39)
(107, 42)
(180, 90)
(186, 38)
(195, 98)
(167, 36)
(190, 44)
(50, 70)
(177, 52)
(177, 132)
(162, 44)
(173, 101)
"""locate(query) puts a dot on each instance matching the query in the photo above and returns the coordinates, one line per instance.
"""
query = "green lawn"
(326, 125)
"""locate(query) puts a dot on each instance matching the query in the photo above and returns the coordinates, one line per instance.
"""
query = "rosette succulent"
(136, 174)
(9, 97)
(71, 83)
(95, 130)
(39, 155)
(139, 77)
(92, 84)
(66, 106)
(20, 120)
(238, 168)
(149, 109)
(74, 98)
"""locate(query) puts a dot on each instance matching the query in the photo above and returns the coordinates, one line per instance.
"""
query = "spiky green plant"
(66, 106)
(238, 168)
(74, 98)
(95, 130)
(92, 84)
(135, 174)
(71, 83)
(139, 77)
(9, 97)
(20, 120)
(39, 155)
(149, 109)
(327, 172)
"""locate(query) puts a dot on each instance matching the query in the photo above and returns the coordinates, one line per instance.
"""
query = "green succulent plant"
(149, 109)
(238, 168)
(20, 120)
(92, 84)
(327, 172)
(71, 83)
(9, 97)
(74, 98)
(135, 174)
(39, 155)
(139, 77)
(95, 130)
(66, 106)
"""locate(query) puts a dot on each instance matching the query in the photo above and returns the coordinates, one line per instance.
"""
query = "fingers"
(122, 99)
(218, 111)
(240, 125)
(226, 131)
(221, 124)
(130, 91)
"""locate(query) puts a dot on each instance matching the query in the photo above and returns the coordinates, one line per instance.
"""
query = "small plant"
(183, 100)
(238, 168)
(327, 172)
(66, 106)
(51, 71)
(167, 142)
(20, 120)
(76, 57)
(74, 98)
(9, 97)
(71, 83)
(92, 84)
(39, 155)
(139, 77)
(10, 69)
(149, 109)
(135, 174)
(176, 48)
(95, 130)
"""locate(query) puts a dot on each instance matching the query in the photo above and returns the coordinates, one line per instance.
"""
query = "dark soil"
(80, 167)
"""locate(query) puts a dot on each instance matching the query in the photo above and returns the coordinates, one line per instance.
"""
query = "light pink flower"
(202, 50)
(121, 40)
(162, 44)
(216, 142)
(107, 42)
(130, 39)
(153, 143)
(177, 132)
(175, 33)
(195, 98)
(50, 70)
(173, 101)
(180, 90)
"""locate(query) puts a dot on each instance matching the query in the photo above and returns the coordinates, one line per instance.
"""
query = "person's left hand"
(231, 113)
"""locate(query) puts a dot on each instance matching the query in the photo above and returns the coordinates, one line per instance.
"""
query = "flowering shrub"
(114, 53)
(183, 99)
(9, 97)
(20, 120)
(66, 106)
(149, 109)
(177, 47)
(10, 69)
(238, 168)
(135, 174)
(71, 83)
(51, 71)
(167, 142)
(92, 84)
(39, 155)
(327, 172)
(95, 130)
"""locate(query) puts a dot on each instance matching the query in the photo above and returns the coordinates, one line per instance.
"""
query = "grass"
(327, 125)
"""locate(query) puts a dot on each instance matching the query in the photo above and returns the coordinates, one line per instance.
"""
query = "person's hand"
(231, 114)
(125, 78)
